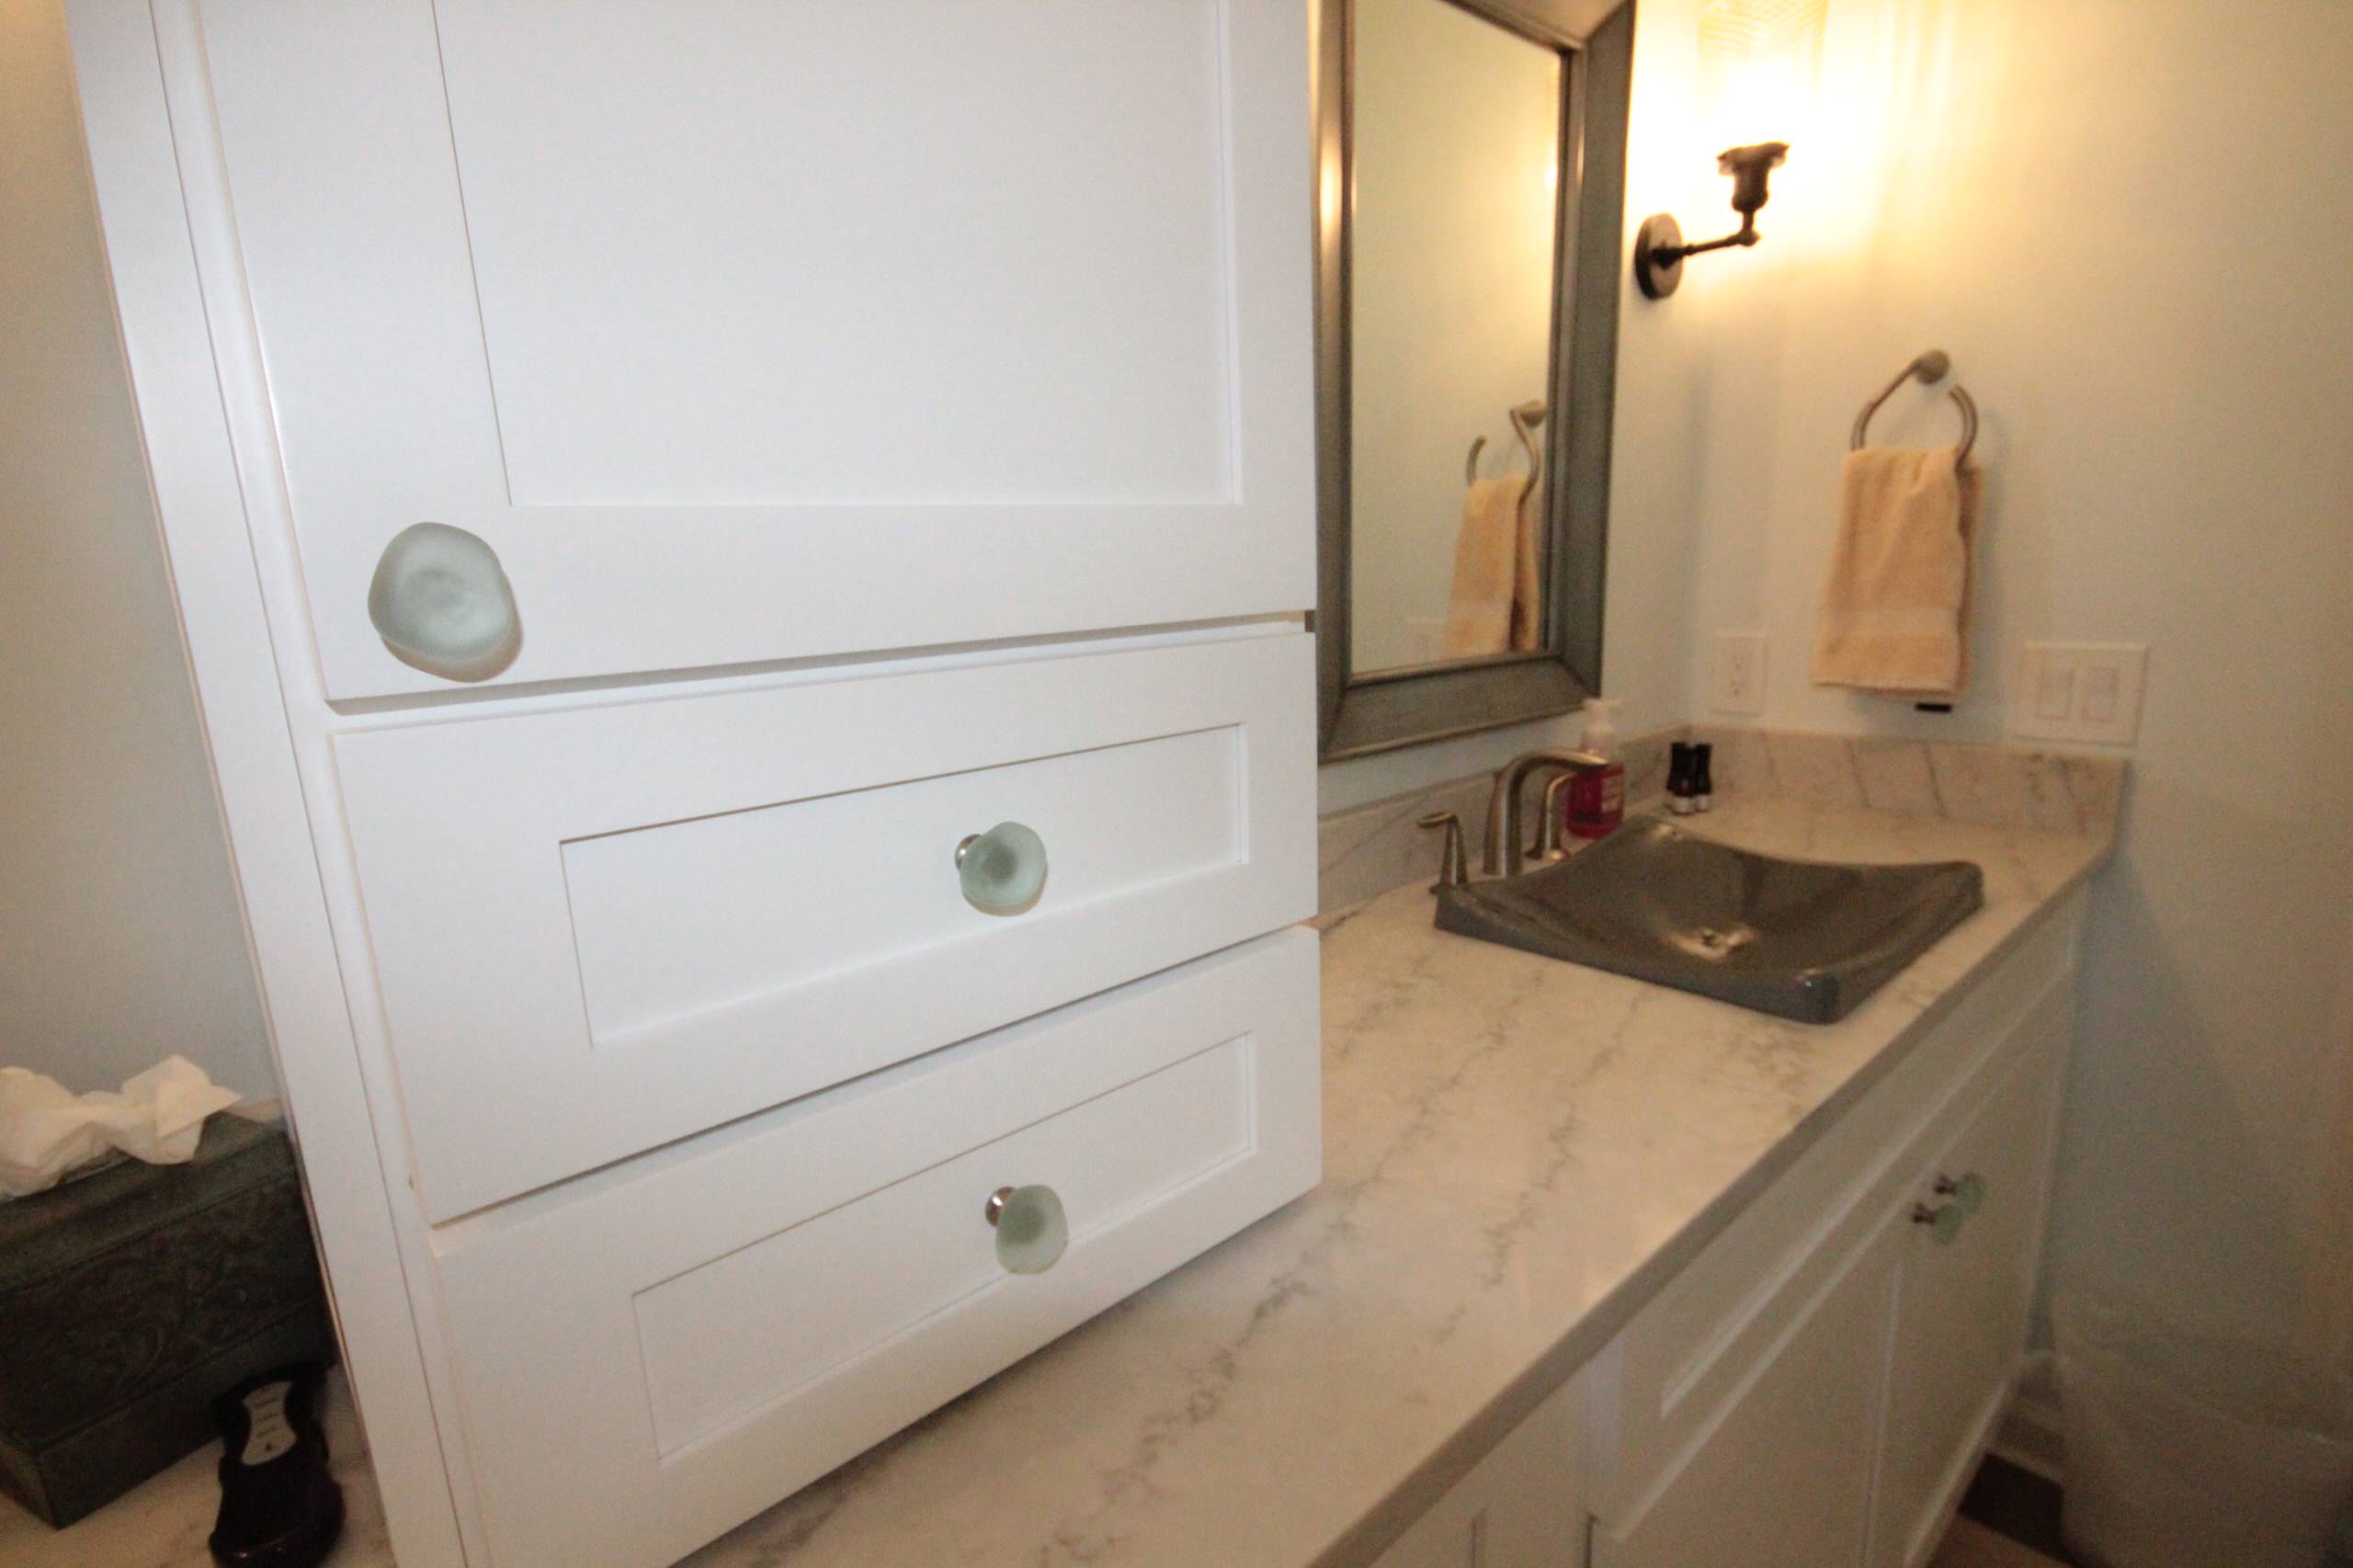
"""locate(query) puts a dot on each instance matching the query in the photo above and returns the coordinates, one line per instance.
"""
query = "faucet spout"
(1501, 855)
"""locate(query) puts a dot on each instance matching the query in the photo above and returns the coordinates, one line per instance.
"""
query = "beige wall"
(2128, 220)
(121, 939)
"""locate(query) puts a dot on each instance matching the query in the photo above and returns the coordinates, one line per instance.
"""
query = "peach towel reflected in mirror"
(1496, 604)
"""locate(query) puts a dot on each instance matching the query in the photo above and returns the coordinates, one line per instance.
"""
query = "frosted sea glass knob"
(1004, 869)
(1967, 1193)
(442, 604)
(1032, 1230)
(1945, 1221)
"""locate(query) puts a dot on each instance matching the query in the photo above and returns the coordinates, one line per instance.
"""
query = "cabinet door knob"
(1968, 1191)
(1004, 869)
(1032, 1230)
(441, 602)
(1944, 1221)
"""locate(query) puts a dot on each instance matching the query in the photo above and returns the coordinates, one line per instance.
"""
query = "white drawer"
(599, 929)
(711, 1326)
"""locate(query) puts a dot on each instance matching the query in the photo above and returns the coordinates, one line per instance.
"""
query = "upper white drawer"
(599, 929)
(746, 330)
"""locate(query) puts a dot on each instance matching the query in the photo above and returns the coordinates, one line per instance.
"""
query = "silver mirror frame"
(1359, 714)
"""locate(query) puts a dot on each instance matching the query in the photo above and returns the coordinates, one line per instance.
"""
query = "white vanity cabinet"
(1814, 1388)
(1523, 1506)
(892, 425)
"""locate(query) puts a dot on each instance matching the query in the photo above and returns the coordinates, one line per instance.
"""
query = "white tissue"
(47, 1131)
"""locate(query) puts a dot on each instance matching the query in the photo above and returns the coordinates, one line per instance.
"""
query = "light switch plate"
(2086, 692)
(1740, 672)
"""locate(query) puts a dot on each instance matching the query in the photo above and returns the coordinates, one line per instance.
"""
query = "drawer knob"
(1004, 869)
(1031, 1231)
(1944, 1221)
(1967, 1192)
(441, 602)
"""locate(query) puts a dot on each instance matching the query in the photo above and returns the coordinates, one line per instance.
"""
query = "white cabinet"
(716, 1325)
(1961, 1319)
(1781, 1478)
(1816, 1387)
(745, 331)
(1523, 1506)
(1814, 1390)
(892, 421)
(603, 926)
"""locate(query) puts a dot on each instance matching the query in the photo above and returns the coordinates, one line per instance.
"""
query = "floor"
(2009, 1520)
(1972, 1545)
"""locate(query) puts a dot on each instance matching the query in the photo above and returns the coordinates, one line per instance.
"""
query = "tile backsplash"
(1371, 849)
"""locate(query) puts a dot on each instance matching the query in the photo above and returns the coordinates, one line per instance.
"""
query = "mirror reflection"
(1456, 134)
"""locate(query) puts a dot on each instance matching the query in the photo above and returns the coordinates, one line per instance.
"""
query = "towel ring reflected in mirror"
(1927, 369)
(1381, 681)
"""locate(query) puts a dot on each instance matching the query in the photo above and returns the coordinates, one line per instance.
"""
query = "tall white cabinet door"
(1960, 1323)
(1782, 1479)
(744, 331)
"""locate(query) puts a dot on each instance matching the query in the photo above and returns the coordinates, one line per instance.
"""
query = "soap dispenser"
(1596, 801)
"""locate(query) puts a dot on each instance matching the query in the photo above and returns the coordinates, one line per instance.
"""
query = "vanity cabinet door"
(1961, 1317)
(1522, 1506)
(745, 331)
(1782, 1477)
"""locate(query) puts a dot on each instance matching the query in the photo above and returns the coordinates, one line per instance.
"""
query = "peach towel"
(1496, 602)
(1896, 612)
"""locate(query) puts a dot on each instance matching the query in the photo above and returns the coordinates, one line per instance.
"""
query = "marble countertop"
(1518, 1154)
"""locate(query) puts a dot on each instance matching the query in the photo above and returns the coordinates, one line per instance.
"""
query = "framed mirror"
(1471, 159)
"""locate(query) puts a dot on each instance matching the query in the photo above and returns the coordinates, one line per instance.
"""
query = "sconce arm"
(1746, 235)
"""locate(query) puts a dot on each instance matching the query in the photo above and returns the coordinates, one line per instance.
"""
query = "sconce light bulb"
(1751, 168)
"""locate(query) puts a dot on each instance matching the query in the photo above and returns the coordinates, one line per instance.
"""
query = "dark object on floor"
(2019, 1504)
(131, 1297)
(279, 1509)
(2341, 1545)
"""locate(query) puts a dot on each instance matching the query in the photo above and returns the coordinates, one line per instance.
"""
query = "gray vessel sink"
(1796, 938)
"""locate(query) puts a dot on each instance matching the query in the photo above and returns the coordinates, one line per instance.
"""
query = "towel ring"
(1525, 418)
(1927, 369)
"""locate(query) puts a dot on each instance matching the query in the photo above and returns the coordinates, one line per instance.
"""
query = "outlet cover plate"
(1739, 685)
(2084, 692)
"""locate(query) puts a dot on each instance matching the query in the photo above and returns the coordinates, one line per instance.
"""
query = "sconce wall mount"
(1659, 246)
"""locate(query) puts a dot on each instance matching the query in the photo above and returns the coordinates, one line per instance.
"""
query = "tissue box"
(129, 1298)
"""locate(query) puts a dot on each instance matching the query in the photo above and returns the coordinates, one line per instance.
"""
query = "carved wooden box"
(129, 1298)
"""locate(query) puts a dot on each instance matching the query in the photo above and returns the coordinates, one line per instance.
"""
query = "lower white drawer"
(651, 1354)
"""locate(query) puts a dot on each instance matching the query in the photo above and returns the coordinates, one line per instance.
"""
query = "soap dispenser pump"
(1596, 802)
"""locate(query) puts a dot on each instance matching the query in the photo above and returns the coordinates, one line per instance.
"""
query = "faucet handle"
(1453, 871)
(1554, 811)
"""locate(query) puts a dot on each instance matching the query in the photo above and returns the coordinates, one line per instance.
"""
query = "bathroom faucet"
(1504, 848)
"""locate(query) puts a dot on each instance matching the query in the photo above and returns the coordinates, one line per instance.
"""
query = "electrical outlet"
(2080, 691)
(1740, 672)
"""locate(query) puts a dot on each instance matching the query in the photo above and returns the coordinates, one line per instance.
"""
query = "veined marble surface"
(1518, 1154)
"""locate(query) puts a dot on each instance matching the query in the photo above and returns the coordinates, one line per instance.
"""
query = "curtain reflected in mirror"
(1457, 130)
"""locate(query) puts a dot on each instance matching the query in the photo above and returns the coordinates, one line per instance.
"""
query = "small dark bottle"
(1681, 768)
(1703, 777)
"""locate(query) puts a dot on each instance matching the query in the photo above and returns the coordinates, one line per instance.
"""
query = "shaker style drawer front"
(713, 1325)
(600, 929)
(740, 331)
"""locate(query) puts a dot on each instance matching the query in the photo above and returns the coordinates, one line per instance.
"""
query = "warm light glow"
(1758, 61)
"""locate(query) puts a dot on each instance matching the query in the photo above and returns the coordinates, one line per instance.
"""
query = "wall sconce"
(1659, 247)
